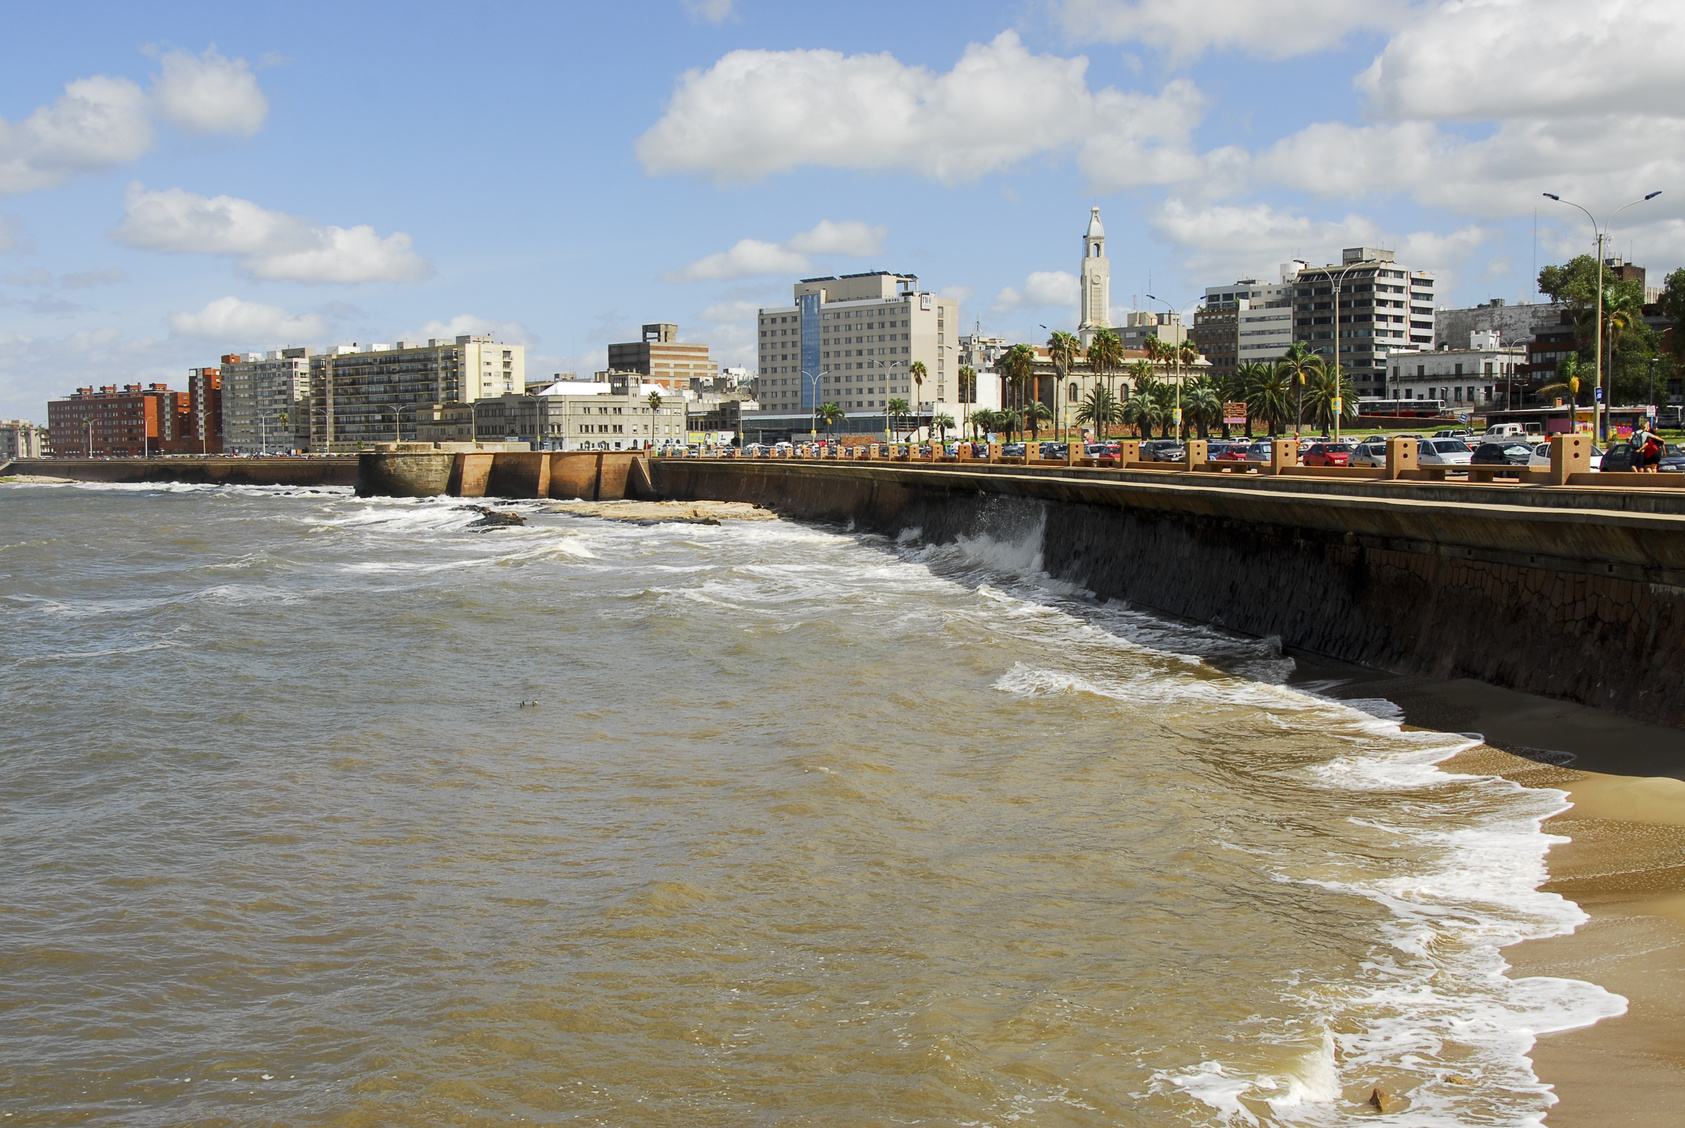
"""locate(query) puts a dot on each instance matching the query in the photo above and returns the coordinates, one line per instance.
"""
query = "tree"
(1628, 343)
(918, 372)
(1105, 356)
(1100, 408)
(654, 401)
(1035, 414)
(1203, 406)
(1062, 350)
(1017, 366)
(1320, 393)
(1298, 364)
(830, 414)
(1247, 376)
(1270, 400)
(896, 409)
(942, 422)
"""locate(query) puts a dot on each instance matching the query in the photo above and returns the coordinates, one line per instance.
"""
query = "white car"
(1369, 454)
(1443, 452)
(1541, 458)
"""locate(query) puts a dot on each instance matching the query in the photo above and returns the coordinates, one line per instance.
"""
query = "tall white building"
(20, 438)
(1382, 307)
(852, 340)
(266, 401)
(1096, 280)
(360, 396)
(1263, 315)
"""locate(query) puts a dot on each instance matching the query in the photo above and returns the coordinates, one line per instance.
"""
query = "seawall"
(1575, 592)
(197, 471)
(591, 475)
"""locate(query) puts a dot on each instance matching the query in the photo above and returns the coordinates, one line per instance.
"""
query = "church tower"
(1096, 280)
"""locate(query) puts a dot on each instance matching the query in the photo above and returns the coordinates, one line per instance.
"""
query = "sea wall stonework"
(1577, 601)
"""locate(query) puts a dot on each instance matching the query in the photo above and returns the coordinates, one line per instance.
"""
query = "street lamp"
(1601, 409)
(1172, 309)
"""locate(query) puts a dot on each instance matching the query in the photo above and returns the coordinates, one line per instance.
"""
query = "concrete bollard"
(1569, 454)
(1073, 450)
(1195, 453)
(1129, 450)
(1401, 456)
(994, 452)
(874, 452)
(1283, 454)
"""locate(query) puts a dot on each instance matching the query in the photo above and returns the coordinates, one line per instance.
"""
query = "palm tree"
(1299, 364)
(829, 414)
(1017, 367)
(1322, 390)
(942, 422)
(1100, 408)
(896, 409)
(1105, 354)
(1203, 405)
(1036, 413)
(1062, 350)
(967, 390)
(1247, 377)
(1270, 399)
(655, 401)
(1187, 355)
(918, 372)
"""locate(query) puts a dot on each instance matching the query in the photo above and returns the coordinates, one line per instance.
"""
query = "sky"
(180, 180)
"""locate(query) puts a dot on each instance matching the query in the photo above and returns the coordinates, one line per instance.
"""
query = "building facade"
(204, 398)
(661, 358)
(852, 340)
(1466, 379)
(1140, 325)
(571, 416)
(361, 396)
(1382, 306)
(1247, 322)
(1517, 324)
(20, 438)
(266, 401)
(1096, 279)
(111, 422)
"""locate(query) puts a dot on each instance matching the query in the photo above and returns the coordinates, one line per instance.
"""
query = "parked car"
(1369, 454)
(1541, 457)
(1619, 458)
(1258, 451)
(1054, 450)
(1012, 450)
(1454, 433)
(1216, 448)
(1513, 431)
(1327, 454)
(1444, 452)
(1103, 450)
(1502, 452)
(1232, 452)
(1161, 450)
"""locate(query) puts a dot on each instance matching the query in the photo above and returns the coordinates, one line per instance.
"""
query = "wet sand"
(1624, 865)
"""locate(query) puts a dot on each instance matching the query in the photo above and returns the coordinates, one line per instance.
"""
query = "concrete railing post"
(1195, 453)
(1129, 450)
(1284, 453)
(1401, 456)
(1569, 454)
(994, 452)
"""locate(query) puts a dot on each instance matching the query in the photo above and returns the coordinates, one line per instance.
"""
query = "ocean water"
(327, 810)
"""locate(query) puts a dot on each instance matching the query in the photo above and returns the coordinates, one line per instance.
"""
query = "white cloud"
(265, 244)
(1042, 288)
(751, 257)
(754, 113)
(504, 332)
(35, 276)
(87, 279)
(99, 122)
(728, 312)
(209, 94)
(1186, 29)
(237, 323)
(714, 11)
(104, 121)
(1252, 240)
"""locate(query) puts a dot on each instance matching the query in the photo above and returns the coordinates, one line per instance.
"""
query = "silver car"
(1541, 457)
(1369, 454)
(1444, 452)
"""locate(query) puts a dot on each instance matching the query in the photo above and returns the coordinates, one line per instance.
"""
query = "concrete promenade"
(1569, 591)
(324, 471)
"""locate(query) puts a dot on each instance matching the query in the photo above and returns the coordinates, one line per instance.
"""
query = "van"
(1513, 431)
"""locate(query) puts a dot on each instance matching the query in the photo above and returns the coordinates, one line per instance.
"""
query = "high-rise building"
(20, 438)
(1140, 324)
(266, 401)
(853, 341)
(1246, 322)
(204, 399)
(1096, 280)
(361, 396)
(1382, 306)
(112, 422)
(662, 358)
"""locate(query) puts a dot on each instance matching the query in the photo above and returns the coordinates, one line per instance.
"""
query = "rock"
(1382, 1101)
(495, 518)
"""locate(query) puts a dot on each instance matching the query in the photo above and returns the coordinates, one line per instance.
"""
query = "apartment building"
(852, 340)
(1382, 306)
(266, 401)
(20, 438)
(1465, 379)
(370, 394)
(127, 422)
(204, 398)
(566, 415)
(1139, 325)
(662, 359)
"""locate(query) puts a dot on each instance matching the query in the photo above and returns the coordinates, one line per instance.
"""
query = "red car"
(1235, 452)
(1328, 454)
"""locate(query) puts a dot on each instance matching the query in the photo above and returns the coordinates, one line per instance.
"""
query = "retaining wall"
(592, 475)
(211, 471)
(1571, 593)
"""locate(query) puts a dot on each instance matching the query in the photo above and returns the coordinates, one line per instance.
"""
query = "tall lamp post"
(1602, 408)
(1180, 437)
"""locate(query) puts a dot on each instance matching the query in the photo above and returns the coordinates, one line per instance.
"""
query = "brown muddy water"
(325, 810)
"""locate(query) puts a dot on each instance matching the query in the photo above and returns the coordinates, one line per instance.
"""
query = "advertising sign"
(1234, 414)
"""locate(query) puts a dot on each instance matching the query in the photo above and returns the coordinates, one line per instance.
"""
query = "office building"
(662, 359)
(1139, 325)
(20, 438)
(1096, 281)
(1247, 322)
(1382, 306)
(266, 401)
(852, 340)
(361, 396)
(1465, 379)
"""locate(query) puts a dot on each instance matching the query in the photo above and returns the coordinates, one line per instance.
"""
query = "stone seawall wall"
(590, 475)
(1579, 601)
(198, 471)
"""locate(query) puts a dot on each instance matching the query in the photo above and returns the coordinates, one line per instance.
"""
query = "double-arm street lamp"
(1604, 399)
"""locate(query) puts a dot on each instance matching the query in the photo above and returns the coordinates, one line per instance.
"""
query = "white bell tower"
(1096, 280)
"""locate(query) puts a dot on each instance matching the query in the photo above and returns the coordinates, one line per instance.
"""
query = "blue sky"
(180, 180)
